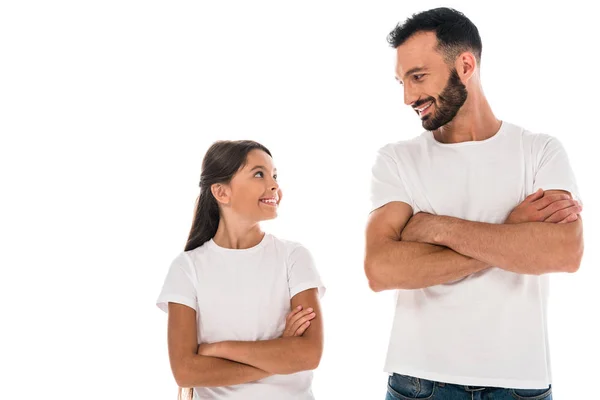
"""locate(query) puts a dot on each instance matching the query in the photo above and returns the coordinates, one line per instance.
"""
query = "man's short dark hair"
(455, 32)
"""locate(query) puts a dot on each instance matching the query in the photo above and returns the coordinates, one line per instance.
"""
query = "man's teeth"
(424, 108)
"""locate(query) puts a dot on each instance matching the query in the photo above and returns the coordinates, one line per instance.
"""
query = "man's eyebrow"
(413, 70)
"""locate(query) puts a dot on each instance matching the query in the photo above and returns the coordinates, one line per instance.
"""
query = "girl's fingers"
(293, 312)
(299, 315)
(302, 329)
(302, 321)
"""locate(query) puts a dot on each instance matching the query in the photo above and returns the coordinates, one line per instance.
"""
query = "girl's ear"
(222, 193)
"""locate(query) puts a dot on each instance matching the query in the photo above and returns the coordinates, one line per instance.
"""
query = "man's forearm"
(205, 371)
(412, 265)
(285, 355)
(527, 248)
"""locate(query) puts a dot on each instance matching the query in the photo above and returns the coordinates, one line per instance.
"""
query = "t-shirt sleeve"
(302, 272)
(386, 183)
(553, 170)
(178, 286)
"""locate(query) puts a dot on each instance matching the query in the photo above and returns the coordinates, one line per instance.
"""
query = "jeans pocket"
(404, 387)
(532, 394)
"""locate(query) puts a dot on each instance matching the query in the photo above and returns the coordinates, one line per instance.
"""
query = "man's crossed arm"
(542, 234)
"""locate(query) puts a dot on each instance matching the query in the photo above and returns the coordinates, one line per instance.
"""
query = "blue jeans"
(404, 387)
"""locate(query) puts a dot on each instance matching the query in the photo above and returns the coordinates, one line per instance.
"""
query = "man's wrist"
(442, 229)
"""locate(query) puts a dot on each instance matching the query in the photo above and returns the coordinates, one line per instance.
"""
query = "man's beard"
(449, 102)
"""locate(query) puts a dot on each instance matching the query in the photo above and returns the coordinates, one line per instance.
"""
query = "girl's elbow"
(183, 377)
(314, 364)
(313, 357)
(308, 361)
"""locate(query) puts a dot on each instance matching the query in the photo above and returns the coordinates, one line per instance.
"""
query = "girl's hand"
(207, 349)
(298, 321)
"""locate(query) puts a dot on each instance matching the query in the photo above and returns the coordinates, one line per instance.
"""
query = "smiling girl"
(244, 320)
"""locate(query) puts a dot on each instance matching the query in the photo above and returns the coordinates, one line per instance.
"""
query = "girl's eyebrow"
(261, 167)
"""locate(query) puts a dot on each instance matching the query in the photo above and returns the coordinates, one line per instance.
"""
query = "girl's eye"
(275, 176)
(259, 174)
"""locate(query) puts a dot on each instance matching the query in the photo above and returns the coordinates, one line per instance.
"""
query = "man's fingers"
(535, 195)
(557, 206)
(551, 198)
(560, 215)
(570, 218)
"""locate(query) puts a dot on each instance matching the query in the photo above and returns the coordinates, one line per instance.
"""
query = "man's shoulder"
(536, 140)
(404, 144)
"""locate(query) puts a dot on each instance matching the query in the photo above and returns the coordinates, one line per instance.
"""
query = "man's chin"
(428, 124)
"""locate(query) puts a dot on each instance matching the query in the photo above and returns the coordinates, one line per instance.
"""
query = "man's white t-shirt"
(490, 328)
(244, 294)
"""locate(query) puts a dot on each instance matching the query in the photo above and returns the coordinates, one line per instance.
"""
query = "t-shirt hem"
(471, 380)
(163, 301)
(569, 188)
(380, 203)
(308, 285)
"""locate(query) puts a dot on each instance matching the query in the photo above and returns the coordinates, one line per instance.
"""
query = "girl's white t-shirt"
(244, 294)
(490, 328)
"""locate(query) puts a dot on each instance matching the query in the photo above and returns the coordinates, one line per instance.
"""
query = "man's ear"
(466, 66)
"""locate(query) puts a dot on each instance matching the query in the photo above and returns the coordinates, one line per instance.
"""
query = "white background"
(107, 108)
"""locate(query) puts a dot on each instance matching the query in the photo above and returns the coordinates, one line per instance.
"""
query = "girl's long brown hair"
(181, 396)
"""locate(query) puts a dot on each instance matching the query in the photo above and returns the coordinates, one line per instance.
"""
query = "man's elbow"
(574, 246)
(376, 283)
(575, 256)
(567, 258)
(380, 281)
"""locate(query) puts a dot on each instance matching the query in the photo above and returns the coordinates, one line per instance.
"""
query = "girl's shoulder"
(288, 246)
(281, 242)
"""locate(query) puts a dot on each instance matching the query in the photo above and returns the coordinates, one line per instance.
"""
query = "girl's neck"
(238, 235)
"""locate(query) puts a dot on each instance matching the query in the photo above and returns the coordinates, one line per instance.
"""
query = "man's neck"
(475, 121)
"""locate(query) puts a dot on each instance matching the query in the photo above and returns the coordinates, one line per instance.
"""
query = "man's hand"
(298, 321)
(538, 207)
